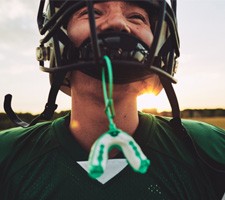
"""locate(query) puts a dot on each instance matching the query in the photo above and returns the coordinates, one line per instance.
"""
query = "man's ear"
(66, 84)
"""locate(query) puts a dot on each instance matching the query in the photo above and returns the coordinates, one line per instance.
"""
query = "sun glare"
(150, 101)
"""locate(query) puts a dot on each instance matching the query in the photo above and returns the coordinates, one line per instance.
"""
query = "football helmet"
(132, 59)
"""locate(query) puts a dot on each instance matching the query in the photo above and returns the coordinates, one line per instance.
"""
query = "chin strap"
(45, 115)
(48, 112)
(182, 133)
(176, 122)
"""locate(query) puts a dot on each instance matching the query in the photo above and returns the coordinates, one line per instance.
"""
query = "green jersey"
(43, 162)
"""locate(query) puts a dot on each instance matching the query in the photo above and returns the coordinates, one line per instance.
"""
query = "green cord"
(114, 137)
(108, 95)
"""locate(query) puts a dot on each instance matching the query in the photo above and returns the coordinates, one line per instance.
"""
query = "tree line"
(191, 113)
(5, 123)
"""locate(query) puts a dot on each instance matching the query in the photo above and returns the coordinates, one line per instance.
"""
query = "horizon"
(144, 109)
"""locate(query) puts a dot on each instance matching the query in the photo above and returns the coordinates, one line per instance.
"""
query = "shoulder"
(21, 146)
(208, 138)
(36, 139)
(205, 133)
(13, 139)
(199, 130)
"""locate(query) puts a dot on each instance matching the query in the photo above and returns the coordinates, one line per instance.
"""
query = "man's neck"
(88, 119)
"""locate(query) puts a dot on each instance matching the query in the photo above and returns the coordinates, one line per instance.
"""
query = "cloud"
(14, 9)
(18, 35)
(17, 24)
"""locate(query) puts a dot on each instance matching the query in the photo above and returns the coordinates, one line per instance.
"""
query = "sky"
(201, 71)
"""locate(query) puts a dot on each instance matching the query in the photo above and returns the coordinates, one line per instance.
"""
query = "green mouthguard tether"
(114, 137)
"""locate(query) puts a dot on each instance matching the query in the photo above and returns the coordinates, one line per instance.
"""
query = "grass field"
(216, 121)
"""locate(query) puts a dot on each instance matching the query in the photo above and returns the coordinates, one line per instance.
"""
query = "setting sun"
(150, 101)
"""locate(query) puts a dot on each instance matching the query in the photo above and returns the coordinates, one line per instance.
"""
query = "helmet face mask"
(64, 56)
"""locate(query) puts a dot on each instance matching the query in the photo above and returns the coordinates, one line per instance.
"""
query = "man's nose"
(114, 22)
